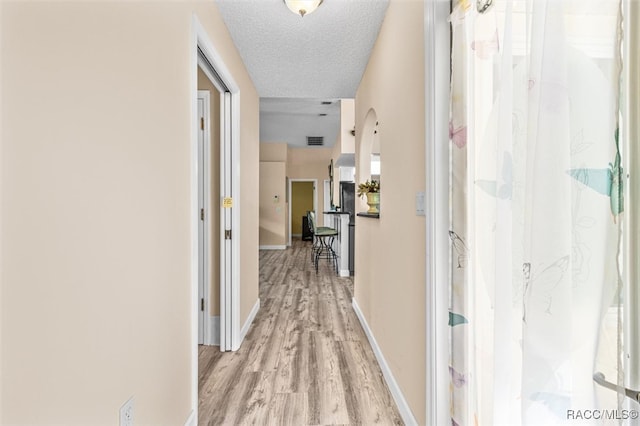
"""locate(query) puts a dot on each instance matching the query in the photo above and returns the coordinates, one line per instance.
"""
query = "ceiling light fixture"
(302, 7)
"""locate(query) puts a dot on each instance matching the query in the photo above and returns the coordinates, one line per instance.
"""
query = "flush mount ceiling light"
(302, 7)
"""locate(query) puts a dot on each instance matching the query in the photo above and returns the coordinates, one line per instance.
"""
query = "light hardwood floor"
(305, 360)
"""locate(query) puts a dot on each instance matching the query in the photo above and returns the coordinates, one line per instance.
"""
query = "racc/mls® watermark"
(602, 414)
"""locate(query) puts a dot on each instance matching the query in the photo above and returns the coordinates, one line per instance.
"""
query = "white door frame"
(326, 194)
(437, 60)
(230, 187)
(630, 154)
(230, 336)
(204, 234)
(315, 199)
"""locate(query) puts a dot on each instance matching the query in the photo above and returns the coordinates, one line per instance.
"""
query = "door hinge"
(227, 234)
(201, 214)
(202, 123)
(202, 304)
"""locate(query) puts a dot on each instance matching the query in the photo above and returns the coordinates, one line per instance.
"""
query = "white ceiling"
(320, 57)
(291, 120)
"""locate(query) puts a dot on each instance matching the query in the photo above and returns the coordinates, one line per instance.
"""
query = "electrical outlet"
(126, 413)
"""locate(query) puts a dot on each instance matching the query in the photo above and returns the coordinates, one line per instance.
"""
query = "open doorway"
(302, 198)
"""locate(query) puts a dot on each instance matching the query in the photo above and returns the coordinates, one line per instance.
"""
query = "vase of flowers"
(372, 191)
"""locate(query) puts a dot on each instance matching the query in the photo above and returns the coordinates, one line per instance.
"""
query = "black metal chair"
(322, 247)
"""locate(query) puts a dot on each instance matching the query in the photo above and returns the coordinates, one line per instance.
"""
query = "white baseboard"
(282, 247)
(345, 273)
(403, 407)
(250, 318)
(213, 335)
(191, 420)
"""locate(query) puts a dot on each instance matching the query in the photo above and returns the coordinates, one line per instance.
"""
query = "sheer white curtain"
(536, 209)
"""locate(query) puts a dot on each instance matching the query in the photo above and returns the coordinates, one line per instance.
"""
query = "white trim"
(273, 247)
(226, 319)
(315, 199)
(212, 338)
(437, 60)
(326, 195)
(340, 222)
(629, 133)
(206, 223)
(236, 334)
(249, 321)
(403, 406)
(192, 420)
(226, 253)
(205, 44)
(207, 209)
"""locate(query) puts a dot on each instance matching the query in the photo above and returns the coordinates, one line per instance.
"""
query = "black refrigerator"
(348, 204)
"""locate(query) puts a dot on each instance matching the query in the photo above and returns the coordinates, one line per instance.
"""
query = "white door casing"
(206, 335)
(226, 292)
(202, 239)
(213, 66)
(437, 60)
(326, 198)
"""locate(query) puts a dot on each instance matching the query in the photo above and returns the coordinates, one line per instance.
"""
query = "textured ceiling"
(322, 55)
(296, 63)
(291, 120)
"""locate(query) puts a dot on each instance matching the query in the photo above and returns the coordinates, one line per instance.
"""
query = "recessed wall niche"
(369, 164)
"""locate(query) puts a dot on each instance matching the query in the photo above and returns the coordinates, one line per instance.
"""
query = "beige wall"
(347, 121)
(274, 225)
(214, 211)
(95, 208)
(300, 163)
(273, 151)
(273, 207)
(346, 142)
(390, 257)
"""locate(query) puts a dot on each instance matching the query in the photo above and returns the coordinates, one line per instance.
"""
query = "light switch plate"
(126, 413)
(420, 204)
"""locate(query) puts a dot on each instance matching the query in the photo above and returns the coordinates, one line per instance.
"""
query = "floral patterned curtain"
(536, 210)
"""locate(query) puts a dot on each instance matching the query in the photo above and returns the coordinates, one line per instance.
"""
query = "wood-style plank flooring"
(305, 360)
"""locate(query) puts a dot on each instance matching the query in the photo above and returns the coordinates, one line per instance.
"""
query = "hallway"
(305, 360)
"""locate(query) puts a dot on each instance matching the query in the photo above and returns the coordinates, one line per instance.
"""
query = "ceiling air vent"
(315, 140)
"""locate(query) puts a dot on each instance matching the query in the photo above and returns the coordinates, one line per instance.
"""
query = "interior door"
(201, 223)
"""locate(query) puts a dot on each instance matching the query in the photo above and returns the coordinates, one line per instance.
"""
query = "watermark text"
(602, 414)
